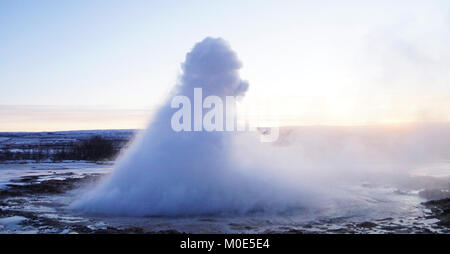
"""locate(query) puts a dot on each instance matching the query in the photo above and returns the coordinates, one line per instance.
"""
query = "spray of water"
(165, 172)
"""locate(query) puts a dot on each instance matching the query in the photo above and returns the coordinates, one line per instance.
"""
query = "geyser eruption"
(165, 172)
(179, 172)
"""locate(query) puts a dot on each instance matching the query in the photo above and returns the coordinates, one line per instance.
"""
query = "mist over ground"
(183, 173)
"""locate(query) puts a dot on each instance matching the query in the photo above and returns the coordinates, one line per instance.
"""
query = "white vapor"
(182, 173)
(167, 173)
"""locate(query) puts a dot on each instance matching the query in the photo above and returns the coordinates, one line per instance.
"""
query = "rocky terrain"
(38, 204)
(440, 210)
(30, 191)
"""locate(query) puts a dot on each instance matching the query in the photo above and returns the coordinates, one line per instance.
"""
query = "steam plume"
(166, 172)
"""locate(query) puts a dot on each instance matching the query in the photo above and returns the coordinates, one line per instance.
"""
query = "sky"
(107, 64)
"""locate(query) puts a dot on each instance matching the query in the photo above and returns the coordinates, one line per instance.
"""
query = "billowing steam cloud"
(167, 173)
(198, 172)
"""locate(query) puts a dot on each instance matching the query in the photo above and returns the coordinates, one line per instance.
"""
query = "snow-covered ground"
(16, 146)
(368, 208)
(12, 171)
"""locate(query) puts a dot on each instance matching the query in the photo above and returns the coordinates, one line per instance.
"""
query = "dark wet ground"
(30, 204)
(29, 191)
(441, 211)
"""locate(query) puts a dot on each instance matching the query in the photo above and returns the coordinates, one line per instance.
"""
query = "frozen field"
(35, 198)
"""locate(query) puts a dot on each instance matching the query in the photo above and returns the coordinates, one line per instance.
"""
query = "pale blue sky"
(327, 62)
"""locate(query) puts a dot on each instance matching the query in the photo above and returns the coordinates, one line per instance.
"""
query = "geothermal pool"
(36, 198)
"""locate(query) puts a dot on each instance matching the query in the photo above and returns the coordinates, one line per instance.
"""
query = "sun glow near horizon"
(321, 63)
(65, 118)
